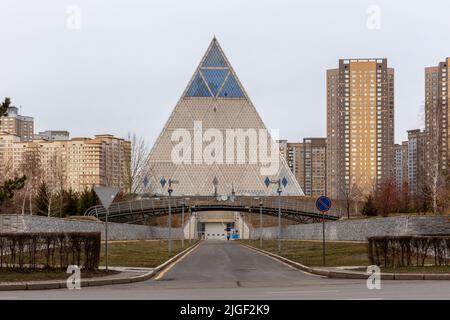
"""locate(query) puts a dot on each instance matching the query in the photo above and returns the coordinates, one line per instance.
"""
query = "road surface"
(227, 270)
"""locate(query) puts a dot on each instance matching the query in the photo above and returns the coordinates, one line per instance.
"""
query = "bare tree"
(386, 196)
(54, 179)
(350, 193)
(139, 153)
(435, 168)
(31, 167)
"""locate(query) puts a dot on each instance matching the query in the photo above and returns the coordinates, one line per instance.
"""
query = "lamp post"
(182, 220)
(260, 220)
(170, 190)
(260, 223)
(279, 215)
(190, 219)
(278, 182)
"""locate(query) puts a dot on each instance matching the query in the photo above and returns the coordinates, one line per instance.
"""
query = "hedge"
(402, 251)
(52, 250)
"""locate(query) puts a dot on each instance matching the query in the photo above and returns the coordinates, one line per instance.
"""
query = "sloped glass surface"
(214, 78)
(231, 88)
(198, 88)
(214, 58)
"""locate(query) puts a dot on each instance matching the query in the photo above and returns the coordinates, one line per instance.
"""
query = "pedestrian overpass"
(298, 209)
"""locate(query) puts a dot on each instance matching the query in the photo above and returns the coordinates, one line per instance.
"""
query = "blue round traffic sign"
(323, 204)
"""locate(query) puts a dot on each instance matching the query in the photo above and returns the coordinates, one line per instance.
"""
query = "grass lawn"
(411, 269)
(310, 253)
(148, 254)
(425, 269)
(16, 276)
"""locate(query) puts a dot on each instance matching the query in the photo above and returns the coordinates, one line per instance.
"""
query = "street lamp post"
(260, 223)
(106, 239)
(182, 224)
(278, 182)
(260, 220)
(190, 219)
(279, 215)
(170, 190)
(182, 220)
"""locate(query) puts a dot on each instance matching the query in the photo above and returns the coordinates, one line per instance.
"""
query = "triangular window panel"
(214, 58)
(231, 88)
(198, 88)
(214, 78)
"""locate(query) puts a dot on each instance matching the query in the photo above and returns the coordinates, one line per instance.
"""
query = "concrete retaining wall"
(359, 230)
(116, 231)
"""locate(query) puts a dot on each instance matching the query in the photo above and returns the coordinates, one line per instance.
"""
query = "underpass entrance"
(218, 225)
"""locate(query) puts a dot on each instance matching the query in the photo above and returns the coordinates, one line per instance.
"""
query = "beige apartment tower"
(437, 113)
(360, 125)
(77, 164)
(16, 124)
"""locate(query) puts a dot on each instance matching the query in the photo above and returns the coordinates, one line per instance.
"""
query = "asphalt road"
(226, 270)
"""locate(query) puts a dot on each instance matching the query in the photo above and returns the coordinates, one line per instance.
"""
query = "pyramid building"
(214, 105)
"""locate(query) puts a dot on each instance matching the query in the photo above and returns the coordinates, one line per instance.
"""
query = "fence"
(32, 251)
(402, 251)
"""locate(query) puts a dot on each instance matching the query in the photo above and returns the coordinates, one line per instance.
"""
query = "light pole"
(260, 223)
(260, 220)
(170, 190)
(190, 219)
(182, 220)
(106, 239)
(278, 182)
(279, 215)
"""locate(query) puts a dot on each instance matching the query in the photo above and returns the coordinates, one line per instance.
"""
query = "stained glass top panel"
(214, 58)
(198, 88)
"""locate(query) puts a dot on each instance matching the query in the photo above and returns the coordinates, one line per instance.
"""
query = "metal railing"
(295, 208)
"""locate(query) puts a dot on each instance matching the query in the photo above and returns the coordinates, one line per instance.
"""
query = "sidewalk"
(339, 272)
(126, 275)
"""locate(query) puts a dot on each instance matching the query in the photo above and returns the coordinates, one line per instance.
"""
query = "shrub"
(369, 208)
(32, 251)
(402, 251)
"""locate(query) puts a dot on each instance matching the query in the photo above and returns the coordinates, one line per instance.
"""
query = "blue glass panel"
(198, 88)
(214, 78)
(231, 88)
(214, 58)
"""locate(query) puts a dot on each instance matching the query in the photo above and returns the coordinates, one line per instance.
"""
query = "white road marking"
(168, 268)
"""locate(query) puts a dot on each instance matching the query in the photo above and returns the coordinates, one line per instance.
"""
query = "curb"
(353, 274)
(94, 282)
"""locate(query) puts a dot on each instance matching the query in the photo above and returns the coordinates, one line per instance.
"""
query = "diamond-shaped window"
(214, 78)
(198, 88)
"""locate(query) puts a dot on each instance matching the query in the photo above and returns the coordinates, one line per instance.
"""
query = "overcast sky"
(124, 66)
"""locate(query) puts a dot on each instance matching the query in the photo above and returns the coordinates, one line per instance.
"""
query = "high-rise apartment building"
(293, 153)
(437, 113)
(77, 164)
(315, 166)
(400, 165)
(307, 161)
(360, 125)
(16, 124)
(416, 161)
